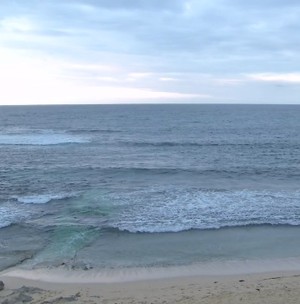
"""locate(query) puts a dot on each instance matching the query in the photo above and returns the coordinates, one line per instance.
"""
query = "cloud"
(293, 78)
(146, 5)
(139, 75)
(18, 24)
(168, 79)
(263, 4)
(199, 47)
(27, 80)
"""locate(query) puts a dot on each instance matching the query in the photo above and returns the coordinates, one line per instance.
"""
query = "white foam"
(43, 198)
(179, 210)
(11, 214)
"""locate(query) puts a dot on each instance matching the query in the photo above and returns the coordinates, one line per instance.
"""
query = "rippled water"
(92, 180)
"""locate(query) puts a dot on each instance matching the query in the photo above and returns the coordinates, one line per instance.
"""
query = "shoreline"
(63, 274)
(246, 285)
(271, 287)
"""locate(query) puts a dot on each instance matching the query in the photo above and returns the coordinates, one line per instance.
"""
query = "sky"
(149, 51)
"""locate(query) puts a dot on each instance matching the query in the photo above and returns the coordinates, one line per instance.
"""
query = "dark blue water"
(72, 176)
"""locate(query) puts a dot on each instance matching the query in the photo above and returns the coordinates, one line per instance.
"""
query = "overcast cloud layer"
(103, 51)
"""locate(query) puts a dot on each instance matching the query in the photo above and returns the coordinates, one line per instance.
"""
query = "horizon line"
(153, 104)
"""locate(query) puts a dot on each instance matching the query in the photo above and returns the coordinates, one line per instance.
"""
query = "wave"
(204, 228)
(93, 131)
(39, 138)
(43, 198)
(228, 172)
(207, 144)
(175, 210)
(16, 210)
(11, 214)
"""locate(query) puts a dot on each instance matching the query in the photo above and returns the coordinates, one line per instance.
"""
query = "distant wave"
(44, 198)
(205, 144)
(93, 131)
(39, 138)
(232, 171)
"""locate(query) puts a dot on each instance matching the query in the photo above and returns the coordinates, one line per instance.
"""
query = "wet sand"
(271, 287)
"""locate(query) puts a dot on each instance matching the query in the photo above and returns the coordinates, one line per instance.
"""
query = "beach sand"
(271, 288)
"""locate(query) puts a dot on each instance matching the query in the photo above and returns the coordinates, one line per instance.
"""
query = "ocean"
(128, 186)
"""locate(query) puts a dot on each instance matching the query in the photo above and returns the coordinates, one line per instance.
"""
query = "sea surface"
(120, 186)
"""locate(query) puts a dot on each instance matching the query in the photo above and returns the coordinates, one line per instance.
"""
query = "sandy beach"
(271, 287)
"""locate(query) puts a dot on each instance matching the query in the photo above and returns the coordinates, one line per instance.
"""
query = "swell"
(211, 144)
(93, 131)
(237, 171)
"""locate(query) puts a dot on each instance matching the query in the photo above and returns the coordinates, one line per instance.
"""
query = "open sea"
(120, 186)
